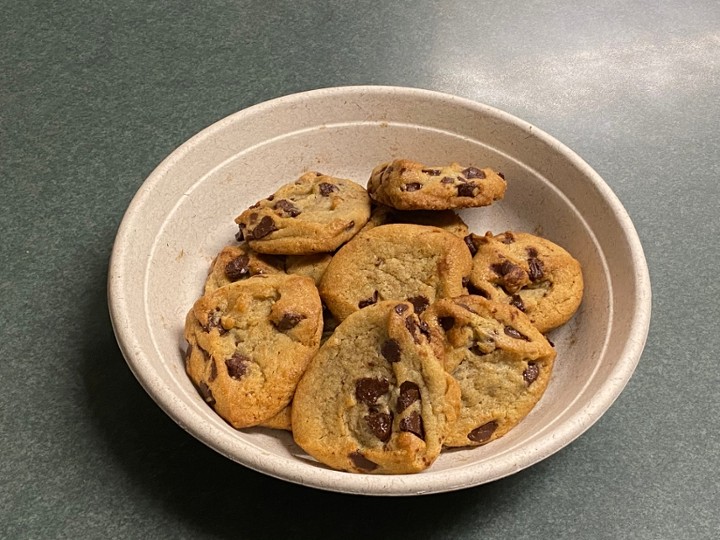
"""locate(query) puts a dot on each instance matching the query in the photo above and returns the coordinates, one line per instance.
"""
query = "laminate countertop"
(93, 95)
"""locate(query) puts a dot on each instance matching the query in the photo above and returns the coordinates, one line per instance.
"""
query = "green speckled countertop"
(93, 95)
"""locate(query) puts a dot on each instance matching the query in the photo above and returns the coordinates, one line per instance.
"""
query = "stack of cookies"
(373, 325)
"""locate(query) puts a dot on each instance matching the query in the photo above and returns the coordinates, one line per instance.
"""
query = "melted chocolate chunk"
(400, 309)
(239, 236)
(508, 238)
(470, 244)
(416, 328)
(368, 301)
(483, 433)
(431, 172)
(237, 365)
(391, 350)
(466, 190)
(473, 172)
(411, 186)
(289, 321)
(265, 227)
(512, 275)
(531, 373)
(513, 333)
(361, 462)
(270, 198)
(238, 268)
(380, 424)
(409, 394)
(446, 323)
(214, 322)
(536, 270)
(206, 393)
(517, 302)
(326, 189)
(287, 208)
(413, 423)
(368, 390)
(447, 180)
(420, 303)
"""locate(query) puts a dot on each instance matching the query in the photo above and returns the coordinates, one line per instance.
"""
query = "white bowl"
(183, 215)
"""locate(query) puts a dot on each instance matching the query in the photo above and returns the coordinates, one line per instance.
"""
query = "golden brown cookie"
(249, 343)
(314, 214)
(499, 359)
(238, 262)
(395, 262)
(531, 273)
(407, 185)
(375, 398)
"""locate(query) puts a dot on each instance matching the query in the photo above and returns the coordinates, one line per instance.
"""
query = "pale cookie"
(443, 219)
(395, 262)
(238, 262)
(499, 359)
(407, 185)
(531, 273)
(315, 214)
(249, 343)
(375, 398)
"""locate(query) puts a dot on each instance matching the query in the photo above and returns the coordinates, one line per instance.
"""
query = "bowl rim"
(544, 445)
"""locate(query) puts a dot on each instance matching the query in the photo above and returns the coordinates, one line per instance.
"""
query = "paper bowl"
(183, 215)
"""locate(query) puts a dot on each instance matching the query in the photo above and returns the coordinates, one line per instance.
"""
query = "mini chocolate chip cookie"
(407, 185)
(443, 219)
(238, 262)
(249, 343)
(395, 262)
(375, 398)
(499, 359)
(314, 214)
(533, 274)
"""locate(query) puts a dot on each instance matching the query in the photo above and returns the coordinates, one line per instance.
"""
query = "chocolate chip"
(380, 424)
(512, 275)
(256, 205)
(239, 236)
(253, 216)
(531, 373)
(361, 462)
(466, 190)
(431, 172)
(368, 301)
(536, 269)
(206, 393)
(465, 281)
(409, 394)
(400, 309)
(289, 321)
(287, 208)
(318, 174)
(402, 170)
(531, 252)
(447, 323)
(326, 189)
(513, 333)
(238, 268)
(367, 389)
(411, 186)
(214, 322)
(424, 329)
(271, 197)
(265, 227)
(420, 303)
(237, 365)
(414, 424)
(391, 350)
(447, 180)
(483, 433)
(473, 172)
(213, 370)
(470, 244)
(517, 302)
(508, 238)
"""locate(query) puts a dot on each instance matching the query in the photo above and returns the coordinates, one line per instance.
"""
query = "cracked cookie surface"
(533, 274)
(249, 342)
(501, 362)
(407, 185)
(395, 262)
(314, 214)
(375, 398)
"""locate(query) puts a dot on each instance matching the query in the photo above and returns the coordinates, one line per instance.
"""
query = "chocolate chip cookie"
(395, 262)
(375, 398)
(499, 359)
(533, 274)
(443, 219)
(249, 343)
(315, 214)
(407, 185)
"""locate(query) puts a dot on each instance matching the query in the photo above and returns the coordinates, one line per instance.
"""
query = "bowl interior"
(183, 215)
